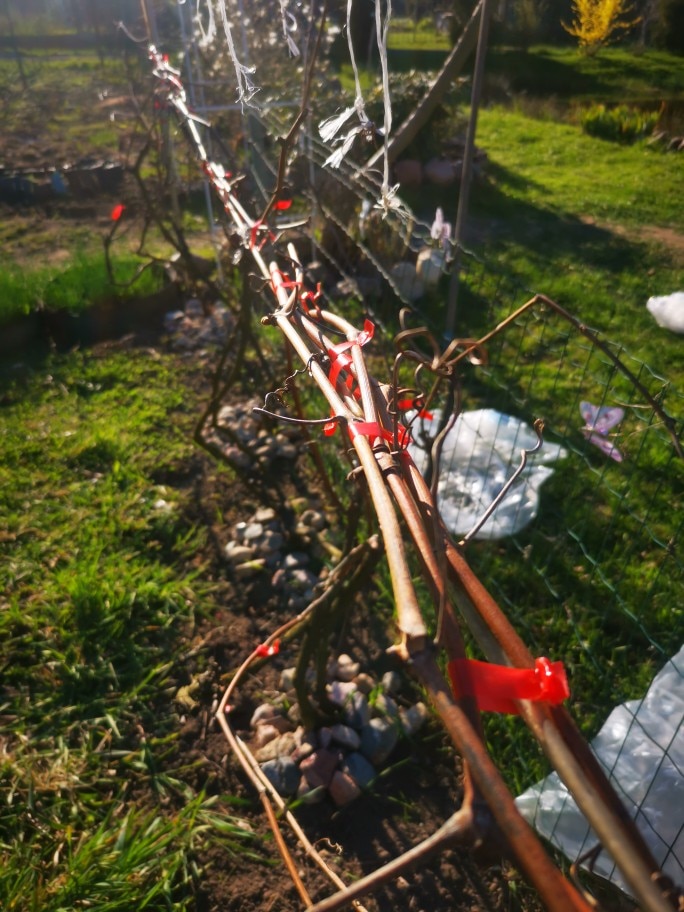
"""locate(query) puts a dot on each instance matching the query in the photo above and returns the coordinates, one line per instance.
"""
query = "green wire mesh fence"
(596, 575)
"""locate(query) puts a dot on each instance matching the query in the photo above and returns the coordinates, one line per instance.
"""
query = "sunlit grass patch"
(74, 287)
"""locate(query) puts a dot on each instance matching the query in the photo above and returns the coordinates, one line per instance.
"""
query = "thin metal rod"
(466, 174)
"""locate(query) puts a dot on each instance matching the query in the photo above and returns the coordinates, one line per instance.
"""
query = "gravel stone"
(361, 771)
(243, 571)
(384, 705)
(265, 712)
(273, 541)
(307, 745)
(413, 718)
(378, 739)
(279, 581)
(283, 774)
(253, 531)
(286, 681)
(391, 682)
(345, 736)
(343, 789)
(314, 520)
(346, 669)
(364, 682)
(357, 711)
(295, 559)
(318, 768)
(264, 734)
(341, 692)
(238, 554)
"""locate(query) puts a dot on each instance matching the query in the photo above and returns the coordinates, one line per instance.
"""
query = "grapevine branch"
(361, 409)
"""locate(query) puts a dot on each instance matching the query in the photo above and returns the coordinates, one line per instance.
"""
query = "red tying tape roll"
(497, 687)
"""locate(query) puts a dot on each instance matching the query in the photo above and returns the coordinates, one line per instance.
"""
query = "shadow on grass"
(543, 72)
(544, 233)
(539, 74)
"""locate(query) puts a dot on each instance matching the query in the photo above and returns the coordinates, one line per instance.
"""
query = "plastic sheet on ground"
(479, 455)
(641, 748)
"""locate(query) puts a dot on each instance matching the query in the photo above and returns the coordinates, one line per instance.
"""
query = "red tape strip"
(372, 430)
(267, 235)
(340, 361)
(284, 281)
(497, 687)
(405, 405)
(309, 301)
(267, 651)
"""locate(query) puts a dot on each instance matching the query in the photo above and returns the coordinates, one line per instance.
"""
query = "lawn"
(579, 218)
(101, 595)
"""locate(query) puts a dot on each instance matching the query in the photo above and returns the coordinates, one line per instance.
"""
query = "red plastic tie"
(254, 233)
(283, 204)
(341, 361)
(284, 281)
(372, 430)
(309, 301)
(405, 404)
(117, 212)
(266, 651)
(497, 687)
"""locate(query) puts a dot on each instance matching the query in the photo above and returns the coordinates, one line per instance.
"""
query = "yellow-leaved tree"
(596, 22)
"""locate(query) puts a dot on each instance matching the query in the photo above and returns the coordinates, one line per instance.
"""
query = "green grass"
(579, 218)
(45, 106)
(406, 35)
(618, 74)
(73, 287)
(99, 591)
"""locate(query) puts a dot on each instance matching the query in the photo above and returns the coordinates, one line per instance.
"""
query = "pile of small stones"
(197, 327)
(244, 441)
(257, 546)
(341, 759)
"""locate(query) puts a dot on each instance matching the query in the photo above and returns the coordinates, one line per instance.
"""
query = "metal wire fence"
(595, 577)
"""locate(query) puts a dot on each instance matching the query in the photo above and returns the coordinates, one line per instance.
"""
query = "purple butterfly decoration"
(598, 422)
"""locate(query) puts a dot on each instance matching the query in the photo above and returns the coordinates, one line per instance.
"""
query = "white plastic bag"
(668, 310)
(641, 748)
(479, 455)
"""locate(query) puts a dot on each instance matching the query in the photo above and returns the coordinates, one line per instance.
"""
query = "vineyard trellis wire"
(509, 380)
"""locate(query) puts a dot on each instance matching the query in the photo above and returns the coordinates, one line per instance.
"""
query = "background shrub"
(619, 124)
